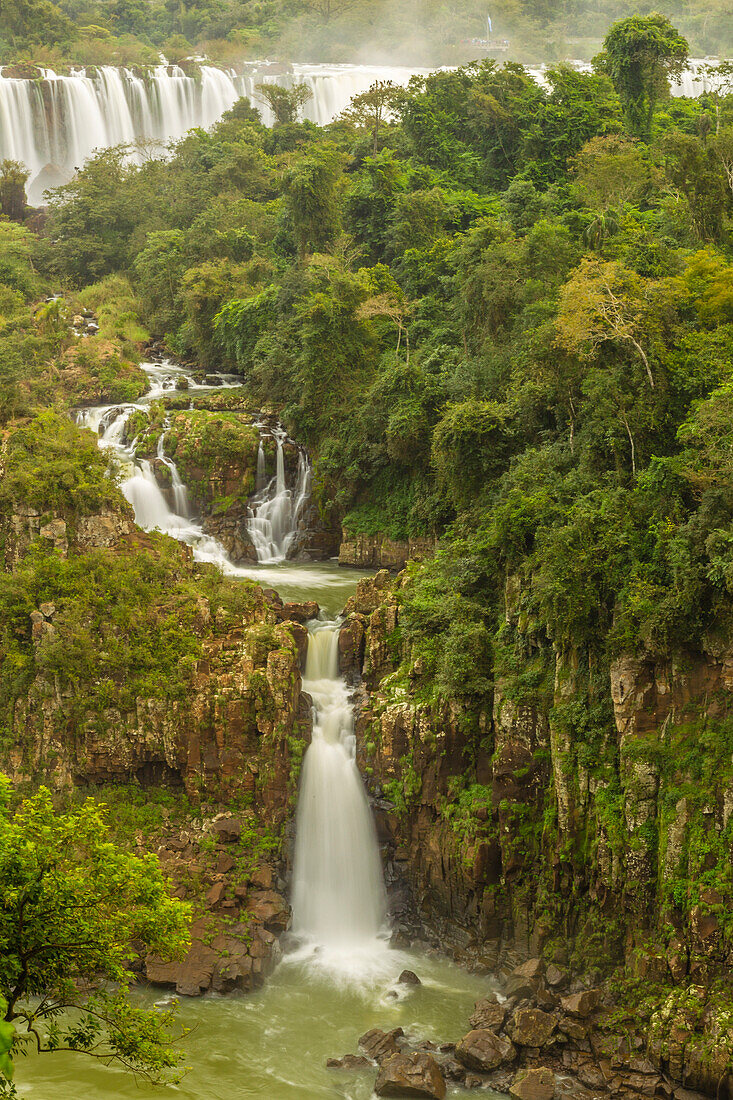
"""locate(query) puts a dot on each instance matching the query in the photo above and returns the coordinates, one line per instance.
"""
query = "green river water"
(273, 1044)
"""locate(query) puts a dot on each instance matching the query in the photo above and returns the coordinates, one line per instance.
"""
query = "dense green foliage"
(502, 316)
(73, 902)
(514, 318)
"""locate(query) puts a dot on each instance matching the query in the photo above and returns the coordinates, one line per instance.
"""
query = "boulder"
(415, 1074)
(381, 1044)
(227, 830)
(488, 1014)
(555, 977)
(408, 977)
(483, 1050)
(534, 1084)
(191, 977)
(269, 908)
(531, 1027)
(215, 895)
(581, 1004)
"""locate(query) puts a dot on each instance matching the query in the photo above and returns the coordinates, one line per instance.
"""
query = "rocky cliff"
(580, 811)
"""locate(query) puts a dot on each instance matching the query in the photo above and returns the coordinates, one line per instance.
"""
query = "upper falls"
(54, 124)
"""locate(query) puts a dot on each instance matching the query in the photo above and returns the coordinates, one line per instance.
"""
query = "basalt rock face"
(231, 733)
(582, 812)
(380, 552)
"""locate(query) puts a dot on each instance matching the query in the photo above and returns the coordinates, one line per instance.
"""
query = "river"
(338, 976)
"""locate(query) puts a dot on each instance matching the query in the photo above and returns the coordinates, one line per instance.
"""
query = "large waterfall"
(338, 891)
(53, 124)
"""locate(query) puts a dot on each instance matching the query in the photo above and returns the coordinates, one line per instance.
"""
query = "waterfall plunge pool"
(273, 1044)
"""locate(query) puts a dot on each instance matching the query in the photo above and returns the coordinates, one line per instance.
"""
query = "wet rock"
(381, 1044)
(453, 1070)
(269, 908)
(524, 979)
(191, 977)
(415, 1074)
(534, 1084)
(351, 646)
(581, 1004)
(349, 1061)
(408, 977)
(488, 1014)
(483, 1050)
(531, 1027)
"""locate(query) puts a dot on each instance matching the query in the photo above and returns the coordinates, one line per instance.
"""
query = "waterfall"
(276, 511)
(55, 123)
(338, 890)
(180, 492)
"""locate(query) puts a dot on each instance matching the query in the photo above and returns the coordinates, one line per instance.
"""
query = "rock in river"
(483, 1051)
(414, 1074)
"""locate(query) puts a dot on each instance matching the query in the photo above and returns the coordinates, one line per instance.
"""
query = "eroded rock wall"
(584, 812)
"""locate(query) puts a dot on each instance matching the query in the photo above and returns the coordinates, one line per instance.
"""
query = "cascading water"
(53, 124)
(338, 890)
(277, 510)
(275, 515)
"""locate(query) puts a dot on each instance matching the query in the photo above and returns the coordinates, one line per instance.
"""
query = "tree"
(374, 107)
(13, 178)
(311, 191)
(640, 54)
(607, 303)
(610, 171)
(698, 172)
(73, 903)
(285, 103)
(25, 22)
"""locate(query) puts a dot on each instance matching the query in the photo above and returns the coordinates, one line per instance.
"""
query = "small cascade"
(274, 518)
(277, 510)
(338, 890)
(144, 494)
(180, 492)
(261, 481)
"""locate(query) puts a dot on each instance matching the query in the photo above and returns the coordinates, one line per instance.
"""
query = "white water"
(276, 515)
(277, 510)
(339, 902)
(54, 124)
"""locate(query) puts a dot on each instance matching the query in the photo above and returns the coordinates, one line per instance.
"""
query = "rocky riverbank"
(543, 1035)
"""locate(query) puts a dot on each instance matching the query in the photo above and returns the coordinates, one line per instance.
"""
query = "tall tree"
(13, 178)
(311, 191)
(374, 107)
(640, 54)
